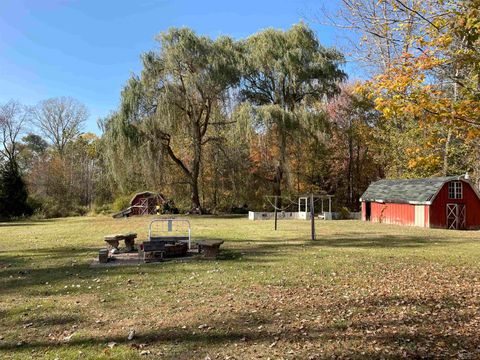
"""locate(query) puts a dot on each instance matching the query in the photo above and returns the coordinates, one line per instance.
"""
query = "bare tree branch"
(12, 121)
(60, 120)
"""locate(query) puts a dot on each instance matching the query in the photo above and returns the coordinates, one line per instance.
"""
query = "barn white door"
(420, 215)
(456, 216)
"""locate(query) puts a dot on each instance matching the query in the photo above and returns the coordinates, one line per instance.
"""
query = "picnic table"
(113, 241)
(209, 248)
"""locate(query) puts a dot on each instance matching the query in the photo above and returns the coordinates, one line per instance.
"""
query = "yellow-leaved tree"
(433, 89)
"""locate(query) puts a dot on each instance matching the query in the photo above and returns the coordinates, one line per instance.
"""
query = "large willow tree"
(284, 74)
(171, 111)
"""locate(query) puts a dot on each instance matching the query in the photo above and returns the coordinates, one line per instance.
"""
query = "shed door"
(420, 215)
(368, 210)
(456, 216)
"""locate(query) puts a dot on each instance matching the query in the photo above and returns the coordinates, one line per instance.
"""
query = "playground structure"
(304, 212)
(306, 209)
(302, 205)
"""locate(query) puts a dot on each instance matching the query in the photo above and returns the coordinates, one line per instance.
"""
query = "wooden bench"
(209, 248)
(113, 241)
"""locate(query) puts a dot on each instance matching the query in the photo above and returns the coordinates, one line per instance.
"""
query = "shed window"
(455, 190)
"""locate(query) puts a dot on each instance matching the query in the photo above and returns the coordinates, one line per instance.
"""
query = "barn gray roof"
(406, 190)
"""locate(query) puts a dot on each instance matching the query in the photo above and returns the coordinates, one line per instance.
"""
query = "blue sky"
(87, 49)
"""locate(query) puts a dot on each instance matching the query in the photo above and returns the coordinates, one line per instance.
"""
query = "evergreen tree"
(13, 193)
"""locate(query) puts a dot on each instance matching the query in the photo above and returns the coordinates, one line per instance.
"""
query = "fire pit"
(177, 249)
(166, 238)
(160, 249)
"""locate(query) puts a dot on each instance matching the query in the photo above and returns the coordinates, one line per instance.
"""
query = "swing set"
(306, 207)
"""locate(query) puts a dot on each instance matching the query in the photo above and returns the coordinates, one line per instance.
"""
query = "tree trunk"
(279, 171)
(196, 163)
(195, 196)
(350, 167)
(446, 152)
(358, 188)
(449, 133)
(193, 174)
(277, 183)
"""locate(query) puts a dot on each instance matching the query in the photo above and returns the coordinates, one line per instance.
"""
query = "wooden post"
(276, 197)
(312, 216)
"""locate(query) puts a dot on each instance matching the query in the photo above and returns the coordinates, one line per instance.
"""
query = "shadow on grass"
(16, 224)
(54, 320)
(7, 262)
(249, 249)
(63, 252)
(220, 216)
(386, 336)
(229, 255)
(369, 239)
(246, 252)
(360, 240)
(21, 272)
(11, 261)
(353, 241)
(26, 222)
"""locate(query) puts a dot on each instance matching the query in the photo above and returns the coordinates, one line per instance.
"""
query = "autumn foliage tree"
(353, 147)
(430, 92)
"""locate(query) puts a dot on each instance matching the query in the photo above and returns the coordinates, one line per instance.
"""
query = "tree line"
(218, 123)
(48, 165)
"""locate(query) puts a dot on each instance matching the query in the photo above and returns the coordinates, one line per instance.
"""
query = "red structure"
(442, 202)
(145, 203)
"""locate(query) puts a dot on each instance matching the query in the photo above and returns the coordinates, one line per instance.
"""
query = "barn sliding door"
(456, 216)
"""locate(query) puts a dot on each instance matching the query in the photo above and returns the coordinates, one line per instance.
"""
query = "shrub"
(102, 209)
(78, 211)
(239, 209)
(35, 204)
(344, 213)
(50, 209)
(121, 202)
(47, 208)
(169, 207)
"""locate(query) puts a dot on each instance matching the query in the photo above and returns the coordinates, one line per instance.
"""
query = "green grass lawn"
(360, 291)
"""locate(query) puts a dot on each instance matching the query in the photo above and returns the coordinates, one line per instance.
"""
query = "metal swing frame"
(167, 226)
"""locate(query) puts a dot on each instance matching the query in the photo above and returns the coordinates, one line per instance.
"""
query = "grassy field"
(360, 291)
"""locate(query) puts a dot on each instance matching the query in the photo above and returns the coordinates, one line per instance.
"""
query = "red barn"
(442, 202)
(145, 203)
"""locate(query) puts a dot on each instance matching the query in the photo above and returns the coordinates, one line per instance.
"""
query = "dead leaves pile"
(422, 311)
